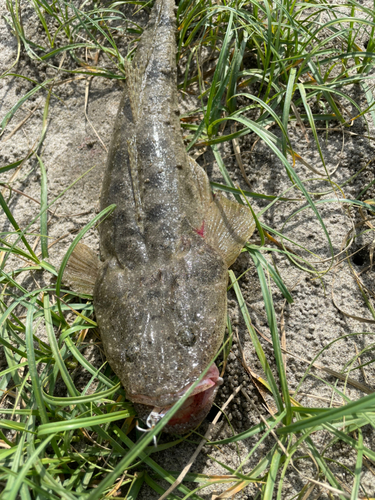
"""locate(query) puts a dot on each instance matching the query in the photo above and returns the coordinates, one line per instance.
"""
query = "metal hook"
(154, 417)
(146, 430)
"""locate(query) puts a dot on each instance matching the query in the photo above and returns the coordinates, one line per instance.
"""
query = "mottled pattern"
(161, 325)
(148, 173)
(160, 297)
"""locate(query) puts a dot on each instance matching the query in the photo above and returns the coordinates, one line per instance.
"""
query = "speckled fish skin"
(160, 297)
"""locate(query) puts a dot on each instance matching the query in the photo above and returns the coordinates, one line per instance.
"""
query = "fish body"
(160, 291)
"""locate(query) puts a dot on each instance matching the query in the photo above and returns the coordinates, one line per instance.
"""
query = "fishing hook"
(154, 417)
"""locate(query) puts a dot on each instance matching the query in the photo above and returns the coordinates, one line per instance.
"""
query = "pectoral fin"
(202, 183)
(228, 225)
(82, 269)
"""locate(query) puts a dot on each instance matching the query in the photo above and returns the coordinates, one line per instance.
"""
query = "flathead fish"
(160, 288)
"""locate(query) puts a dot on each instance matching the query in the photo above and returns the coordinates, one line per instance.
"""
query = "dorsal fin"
(202, 183)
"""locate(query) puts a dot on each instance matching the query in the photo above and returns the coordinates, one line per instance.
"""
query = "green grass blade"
(224, 171)
(53, 428)
(272, 324)
(286, 107)
(135, 487)
(12, 112)
(75, 242)
(92, 398)
(55, 348)
(272, 422)
(234, 73)
(269, 269)
(349, 409)
(312, 125)
(143, 443)
(272, 475)
(358, 468)
(12, 220)
(165, 475)
(12, 495)
(35, 378)
(44, 211)
(258, 348)
(16, 466)
(323, 466)
(215, 95)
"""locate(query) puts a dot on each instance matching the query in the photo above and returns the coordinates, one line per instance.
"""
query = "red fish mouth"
(194, 409)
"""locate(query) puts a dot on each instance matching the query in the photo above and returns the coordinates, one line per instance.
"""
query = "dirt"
(321, 321)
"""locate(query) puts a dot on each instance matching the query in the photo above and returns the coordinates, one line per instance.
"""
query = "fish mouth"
(194, 409)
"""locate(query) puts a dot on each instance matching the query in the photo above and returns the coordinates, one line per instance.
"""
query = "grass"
(255, 68)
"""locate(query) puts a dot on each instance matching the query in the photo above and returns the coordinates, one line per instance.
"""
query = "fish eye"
(186, 337)
(131, 353)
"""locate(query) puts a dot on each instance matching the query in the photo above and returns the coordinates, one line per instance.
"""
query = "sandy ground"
(72, 149)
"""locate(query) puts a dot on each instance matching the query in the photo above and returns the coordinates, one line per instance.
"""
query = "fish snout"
(194, 409)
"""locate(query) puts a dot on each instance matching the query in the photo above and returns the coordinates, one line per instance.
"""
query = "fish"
(160, 287)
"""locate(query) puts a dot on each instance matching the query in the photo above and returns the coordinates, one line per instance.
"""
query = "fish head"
(162, 325)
